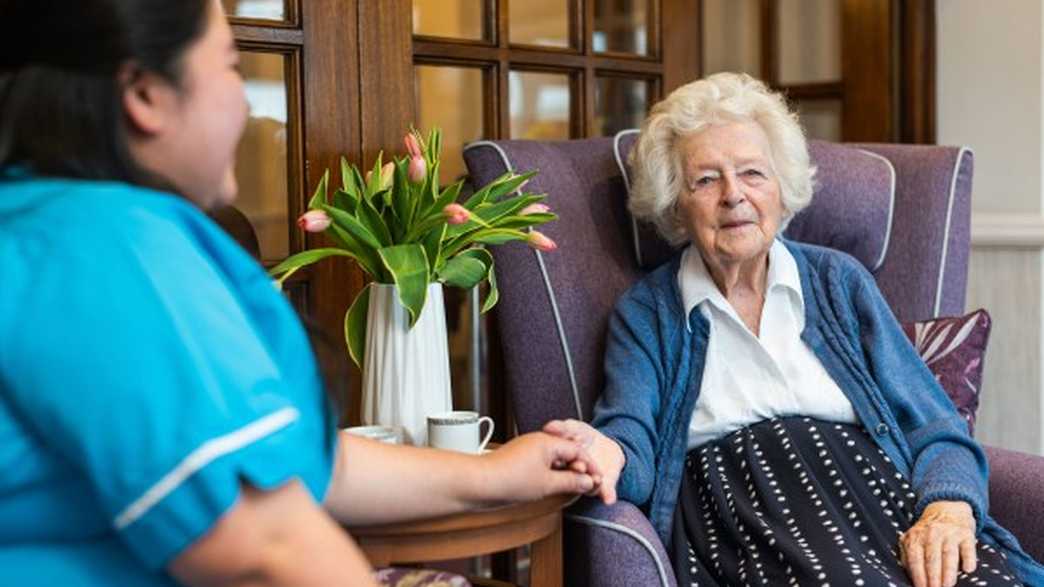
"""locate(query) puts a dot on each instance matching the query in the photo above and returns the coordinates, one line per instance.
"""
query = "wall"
(989, 96)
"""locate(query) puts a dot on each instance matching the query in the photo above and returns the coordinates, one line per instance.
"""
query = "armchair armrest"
(1016, 479)
(613, 546)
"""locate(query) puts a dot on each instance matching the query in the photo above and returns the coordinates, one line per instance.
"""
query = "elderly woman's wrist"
(952, 511)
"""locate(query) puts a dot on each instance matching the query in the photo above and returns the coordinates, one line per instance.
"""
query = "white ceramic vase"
(406, 374)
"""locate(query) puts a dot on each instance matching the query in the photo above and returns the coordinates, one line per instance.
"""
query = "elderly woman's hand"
(605, 451)
(535, 465)
(943, 537)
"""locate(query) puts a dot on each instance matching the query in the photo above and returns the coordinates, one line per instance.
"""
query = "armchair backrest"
(902, 210)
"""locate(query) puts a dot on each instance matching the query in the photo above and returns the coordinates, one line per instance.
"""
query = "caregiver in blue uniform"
(162, 418)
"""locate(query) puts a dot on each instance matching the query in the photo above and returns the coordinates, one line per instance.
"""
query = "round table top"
(473, 520)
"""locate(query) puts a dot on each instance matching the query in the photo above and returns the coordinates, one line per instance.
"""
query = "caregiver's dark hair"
(61, 111)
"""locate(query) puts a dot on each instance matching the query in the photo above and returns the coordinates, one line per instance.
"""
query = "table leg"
(545, 563)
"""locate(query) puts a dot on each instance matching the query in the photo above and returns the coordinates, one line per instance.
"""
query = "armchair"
(902, 210)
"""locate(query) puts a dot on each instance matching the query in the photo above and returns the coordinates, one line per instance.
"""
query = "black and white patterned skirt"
(798, 501)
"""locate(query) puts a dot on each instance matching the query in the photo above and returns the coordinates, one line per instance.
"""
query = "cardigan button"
(881, 429)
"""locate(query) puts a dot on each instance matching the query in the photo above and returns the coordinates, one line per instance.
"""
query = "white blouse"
(747, 378)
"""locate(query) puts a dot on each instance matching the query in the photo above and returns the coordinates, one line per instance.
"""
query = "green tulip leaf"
(402, 196)
(494, 294)
(433, 243)
(319, 197)
(505, 184)
(345, 201)
(374, 185)
(408, 265)
(462, 271)
(304, 259)
(447, 197)
(365, 255)
(348, 180)
(511, 185)
(490, 214)
(352, 226)
(374, 221)
(524, 220)
(486, 258)
(482, 193)
(355, 326)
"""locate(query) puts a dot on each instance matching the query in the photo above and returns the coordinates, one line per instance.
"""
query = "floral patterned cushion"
(954, 349)
(394, 577)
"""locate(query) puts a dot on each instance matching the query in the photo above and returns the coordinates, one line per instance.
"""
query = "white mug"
(458, 431)
(386, 434)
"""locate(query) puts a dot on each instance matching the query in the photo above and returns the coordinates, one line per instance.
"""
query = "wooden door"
(300, 61)
(856, 70)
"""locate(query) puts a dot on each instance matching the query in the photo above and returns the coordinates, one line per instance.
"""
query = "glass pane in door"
(621, 26)
(821, 118)
(453, 99)
(809, 41)
(540, 105)
(540, 22)
(259, 9)
(457, 19)
(261, 161)
(620, 103)
(732, 36)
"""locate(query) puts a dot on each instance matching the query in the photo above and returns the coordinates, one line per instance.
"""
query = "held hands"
(605, 452)
(943, 537)
(536, 465)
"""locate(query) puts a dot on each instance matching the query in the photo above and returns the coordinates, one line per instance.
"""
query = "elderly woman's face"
(730, 203)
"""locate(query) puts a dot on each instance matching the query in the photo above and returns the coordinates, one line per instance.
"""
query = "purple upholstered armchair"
(902, 210)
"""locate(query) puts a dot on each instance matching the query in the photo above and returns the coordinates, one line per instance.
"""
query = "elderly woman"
(761, 402)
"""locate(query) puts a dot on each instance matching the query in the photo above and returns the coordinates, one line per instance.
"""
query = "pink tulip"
(541, 242)
(418, 169)
(387, 175)
(314, 221)
(387, 171)
(413, 148)
(456, 214)
(535, 209)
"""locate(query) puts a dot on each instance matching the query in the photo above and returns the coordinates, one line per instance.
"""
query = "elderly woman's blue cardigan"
(654, 365)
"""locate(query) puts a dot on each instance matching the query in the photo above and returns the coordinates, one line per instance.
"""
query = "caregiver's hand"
(604, 450)
(535, 465)
(942, 540)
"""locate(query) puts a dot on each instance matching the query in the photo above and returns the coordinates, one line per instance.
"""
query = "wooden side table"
(474, 534)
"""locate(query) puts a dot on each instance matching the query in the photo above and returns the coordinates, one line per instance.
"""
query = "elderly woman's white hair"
(722, 97)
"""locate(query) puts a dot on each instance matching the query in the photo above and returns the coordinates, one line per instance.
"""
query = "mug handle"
(489, 433)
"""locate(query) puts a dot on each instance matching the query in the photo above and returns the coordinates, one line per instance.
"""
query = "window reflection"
(821, 118)
(731, 39)
(458, 19)
(540, 105)
(260, 9)
(621, 26)
(620, 103)
(539, 22)
(261, 160)
(809, 41)
(451, 98)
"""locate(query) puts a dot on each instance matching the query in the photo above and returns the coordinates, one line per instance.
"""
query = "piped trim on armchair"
(547, 285)
(891, 208)
(627, 185)
(641, 540)
(946, 233)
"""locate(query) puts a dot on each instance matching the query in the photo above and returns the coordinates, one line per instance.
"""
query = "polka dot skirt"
(798, 501)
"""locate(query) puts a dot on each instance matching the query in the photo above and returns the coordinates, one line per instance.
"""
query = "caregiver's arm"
(375, 483)
(273, 538)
